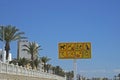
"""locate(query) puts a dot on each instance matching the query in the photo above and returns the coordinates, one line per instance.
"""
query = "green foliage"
(21, 62)
(14, 61)
(70, 74)
(45, 59)
(59, 71)
(36, 62)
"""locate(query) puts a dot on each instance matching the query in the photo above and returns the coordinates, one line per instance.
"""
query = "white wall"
(3, 56)
(21, 53)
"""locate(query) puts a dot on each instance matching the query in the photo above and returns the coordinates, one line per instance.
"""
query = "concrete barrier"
(15, 72)
(5, 76)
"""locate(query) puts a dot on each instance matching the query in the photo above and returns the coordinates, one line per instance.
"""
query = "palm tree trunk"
(7, 48)
(32, 58)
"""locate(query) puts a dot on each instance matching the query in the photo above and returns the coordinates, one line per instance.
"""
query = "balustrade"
(19, 70)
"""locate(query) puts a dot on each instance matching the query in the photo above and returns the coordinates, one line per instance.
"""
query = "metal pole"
(75, 69)
(4, 59)
(2, 28)
(3, 53)
(3, 37)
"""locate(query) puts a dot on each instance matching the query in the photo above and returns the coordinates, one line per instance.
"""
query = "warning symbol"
(62, 46)
(70, 47)
(79, 46)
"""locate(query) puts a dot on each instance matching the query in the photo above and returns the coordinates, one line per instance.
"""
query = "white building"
(21, 53)
(3, 56)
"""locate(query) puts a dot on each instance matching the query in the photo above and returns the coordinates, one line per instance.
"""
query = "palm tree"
(59, 71)
(70, 74)
(37, 61)
(45, 59)
(53, 69)
(23, 62)
(48, 66)
(32, 48)
(10, 33)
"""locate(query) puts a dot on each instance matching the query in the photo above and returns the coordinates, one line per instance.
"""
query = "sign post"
(75, 50)
(75, 69)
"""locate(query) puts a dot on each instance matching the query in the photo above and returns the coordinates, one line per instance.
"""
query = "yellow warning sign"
(74, 50)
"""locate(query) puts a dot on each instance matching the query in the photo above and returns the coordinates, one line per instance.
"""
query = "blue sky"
(49, 22)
